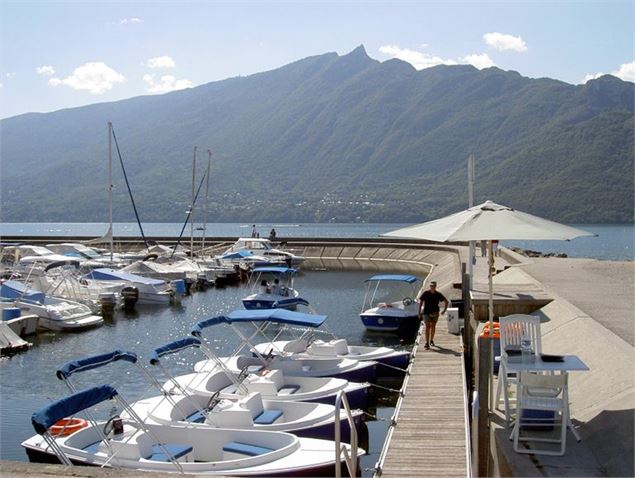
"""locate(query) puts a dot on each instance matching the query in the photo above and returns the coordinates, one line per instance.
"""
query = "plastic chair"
(512, 329)
(543, 393)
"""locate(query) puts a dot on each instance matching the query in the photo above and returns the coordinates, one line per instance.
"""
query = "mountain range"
(333, 138)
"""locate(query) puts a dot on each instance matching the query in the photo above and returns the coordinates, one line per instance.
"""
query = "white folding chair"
(548, 393)
(512, 329)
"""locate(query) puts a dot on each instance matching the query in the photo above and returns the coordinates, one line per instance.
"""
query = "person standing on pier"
(429, 302)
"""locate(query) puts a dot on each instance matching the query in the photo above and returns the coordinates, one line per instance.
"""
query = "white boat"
(263, 248)
(249, 411)
(21, 324)
(290, 364)
(134, 445)
(272, 286)
(390, 362)
(271, 384)
(389, 303)
(54, 313)
(86, 254)
(151, 291)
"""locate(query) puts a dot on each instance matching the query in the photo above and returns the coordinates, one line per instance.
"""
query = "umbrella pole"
(490, 263)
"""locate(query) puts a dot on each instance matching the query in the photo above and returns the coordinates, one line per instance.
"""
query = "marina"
(334, 271)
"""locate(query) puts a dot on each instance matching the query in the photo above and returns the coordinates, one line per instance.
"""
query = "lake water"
(27, 380)
(613, 242)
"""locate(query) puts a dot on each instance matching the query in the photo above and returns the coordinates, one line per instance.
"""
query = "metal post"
(470, 195)
(110, 188)
(192, 206)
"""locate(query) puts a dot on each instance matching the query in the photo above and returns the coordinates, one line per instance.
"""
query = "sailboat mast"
(110, 188)
(209, 164)
(192, 206)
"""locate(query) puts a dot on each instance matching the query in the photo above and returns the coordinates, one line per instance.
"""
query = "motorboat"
(151, 291)
(63, 279)
(134, 445)
(28, 260)
(305, 344)
(271, 384)
(247, 259)
(54, 313)
(86, 254)
(21, 324)
(389, 303)
(271, 287)
(263, 247)
(289, 363)
(248, 411)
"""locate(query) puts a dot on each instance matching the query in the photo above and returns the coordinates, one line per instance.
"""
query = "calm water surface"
(613, 242)
(27, 380)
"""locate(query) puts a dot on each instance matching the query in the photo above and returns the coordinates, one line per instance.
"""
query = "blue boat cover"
(13, 289)
(95, 361)
(112, 274)
(275, 270)
(173, 347)
(68, 406)
(291, 300)
(281, 316)
(394, 277)
(237, 255)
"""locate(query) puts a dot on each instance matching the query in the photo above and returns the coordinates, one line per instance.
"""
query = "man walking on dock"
(429, 301)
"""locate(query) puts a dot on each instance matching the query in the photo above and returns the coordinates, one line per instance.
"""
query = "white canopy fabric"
(489, 221)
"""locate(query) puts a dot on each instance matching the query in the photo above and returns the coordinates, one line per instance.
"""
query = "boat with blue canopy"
(151, 291)
(389, 303)
(272, 286)
(292, 365)
(131, 444)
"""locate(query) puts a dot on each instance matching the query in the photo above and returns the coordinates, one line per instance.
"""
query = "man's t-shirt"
(431, 301)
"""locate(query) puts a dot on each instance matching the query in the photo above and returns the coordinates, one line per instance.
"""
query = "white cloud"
(625, 72)
(130, 21)
(10, 74)
(416, 58)
(479, 61)
(96, 77)
(45, 70)
(165, 84)
(161, 62)
(592, 76)
(502, 42)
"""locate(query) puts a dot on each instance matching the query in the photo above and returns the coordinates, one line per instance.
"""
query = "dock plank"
(429, 438)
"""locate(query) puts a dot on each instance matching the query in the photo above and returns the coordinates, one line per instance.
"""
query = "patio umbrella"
(487, 222)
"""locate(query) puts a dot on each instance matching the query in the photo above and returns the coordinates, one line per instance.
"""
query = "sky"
(57, 55)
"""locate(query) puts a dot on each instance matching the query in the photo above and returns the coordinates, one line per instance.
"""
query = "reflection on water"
(27, 380)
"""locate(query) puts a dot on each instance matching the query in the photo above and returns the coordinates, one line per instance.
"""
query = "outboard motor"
(130, 296)
(179, 289)
(107, 302)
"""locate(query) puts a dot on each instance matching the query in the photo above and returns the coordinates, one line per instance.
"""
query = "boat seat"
(196, 417)
(175, 451)
(267, 417)
(92, 447)
(288, 389)
(245, 448)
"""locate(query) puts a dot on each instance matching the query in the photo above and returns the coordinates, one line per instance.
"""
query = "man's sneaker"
(432, 343)
(426, 346)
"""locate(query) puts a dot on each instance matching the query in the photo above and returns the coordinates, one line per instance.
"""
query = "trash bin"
(454, 325)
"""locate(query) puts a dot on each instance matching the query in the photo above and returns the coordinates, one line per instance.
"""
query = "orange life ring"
(67, 426)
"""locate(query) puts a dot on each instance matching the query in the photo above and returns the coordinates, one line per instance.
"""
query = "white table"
(570, 363)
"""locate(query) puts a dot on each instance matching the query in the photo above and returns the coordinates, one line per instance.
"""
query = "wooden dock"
(430, 437)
